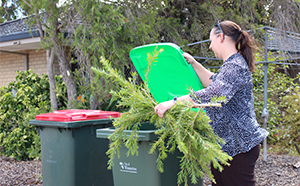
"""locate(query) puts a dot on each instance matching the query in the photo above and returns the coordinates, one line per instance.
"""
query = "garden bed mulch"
(13, 172)
(278, 170)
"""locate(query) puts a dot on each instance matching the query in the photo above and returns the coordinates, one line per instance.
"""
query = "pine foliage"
(181, 127)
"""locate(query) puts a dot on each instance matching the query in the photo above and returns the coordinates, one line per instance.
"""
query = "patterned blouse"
(235, 121)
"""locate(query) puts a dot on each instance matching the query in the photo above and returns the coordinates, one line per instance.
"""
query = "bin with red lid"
(71, 152)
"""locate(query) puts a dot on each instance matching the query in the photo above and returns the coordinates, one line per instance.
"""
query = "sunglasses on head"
(219, 26)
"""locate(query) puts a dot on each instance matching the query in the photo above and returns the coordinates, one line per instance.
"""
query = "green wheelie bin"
(71, 153)
(142, 170)
(170, 76)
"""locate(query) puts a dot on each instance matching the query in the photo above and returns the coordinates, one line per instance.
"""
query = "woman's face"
(215, 43)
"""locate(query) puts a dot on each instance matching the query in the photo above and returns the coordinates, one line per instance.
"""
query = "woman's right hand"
(161, 108)
(189, 58)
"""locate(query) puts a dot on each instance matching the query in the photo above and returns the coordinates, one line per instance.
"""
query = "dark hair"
(243, 41)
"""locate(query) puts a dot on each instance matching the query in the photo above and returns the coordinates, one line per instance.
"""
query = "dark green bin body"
(71, 153)
(142, 170)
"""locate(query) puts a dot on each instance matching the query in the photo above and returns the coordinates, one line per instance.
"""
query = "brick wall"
(9, 63)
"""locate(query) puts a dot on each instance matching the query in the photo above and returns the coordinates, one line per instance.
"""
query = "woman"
(235, 121)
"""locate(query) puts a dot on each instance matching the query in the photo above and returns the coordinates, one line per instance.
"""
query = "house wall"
(10, 63)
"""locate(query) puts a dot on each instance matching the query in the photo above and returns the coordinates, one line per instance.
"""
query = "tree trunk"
(65, 70)
(95, 104)
(67, 75)
(64, 65)
(50, 60)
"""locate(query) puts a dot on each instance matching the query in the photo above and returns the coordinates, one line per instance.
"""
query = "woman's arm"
(202, 73)
(161, 108)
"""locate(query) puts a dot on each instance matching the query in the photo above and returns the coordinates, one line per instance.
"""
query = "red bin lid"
(77, 115)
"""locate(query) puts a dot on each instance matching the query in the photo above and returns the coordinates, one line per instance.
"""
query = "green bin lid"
(170, 75)
(146, 132)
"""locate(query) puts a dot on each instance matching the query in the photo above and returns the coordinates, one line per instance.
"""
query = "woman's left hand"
(161, 108)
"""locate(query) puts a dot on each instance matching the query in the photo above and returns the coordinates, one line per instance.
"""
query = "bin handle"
(79, 116)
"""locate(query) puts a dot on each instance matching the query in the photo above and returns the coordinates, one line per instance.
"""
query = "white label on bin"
(125, 167)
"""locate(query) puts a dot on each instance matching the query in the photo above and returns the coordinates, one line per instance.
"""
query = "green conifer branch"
(182, 127)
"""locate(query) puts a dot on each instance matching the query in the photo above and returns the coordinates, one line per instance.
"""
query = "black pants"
(240, 172)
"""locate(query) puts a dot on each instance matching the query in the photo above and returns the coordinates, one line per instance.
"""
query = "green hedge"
(21, 101)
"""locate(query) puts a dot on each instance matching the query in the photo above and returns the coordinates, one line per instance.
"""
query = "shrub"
(278, 83)
(21, 101)
(289, 133)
